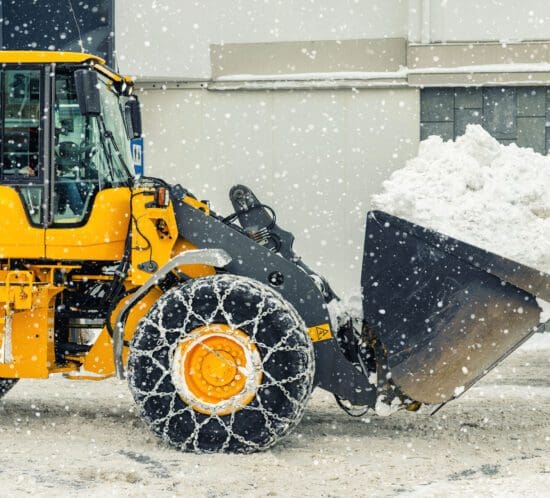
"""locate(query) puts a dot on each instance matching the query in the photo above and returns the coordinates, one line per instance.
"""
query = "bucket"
(442, 311)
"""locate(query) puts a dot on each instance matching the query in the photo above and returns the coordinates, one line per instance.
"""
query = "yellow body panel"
(201, 206)
(320, 332)
(17, 289)
(156, 237)
(102, 238)
(193, 271)
(155, 232)
(114, 76)
(45, 57)
(99, 363)
(18, 239)
(32, 336)
(50, 57)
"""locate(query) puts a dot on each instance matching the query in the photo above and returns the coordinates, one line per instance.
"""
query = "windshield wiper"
(109, 134)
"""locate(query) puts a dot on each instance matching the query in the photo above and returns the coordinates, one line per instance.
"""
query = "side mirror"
(133, 117)
(87, 92)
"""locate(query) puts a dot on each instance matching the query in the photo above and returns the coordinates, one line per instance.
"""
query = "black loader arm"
(259, 222)
(262, 263)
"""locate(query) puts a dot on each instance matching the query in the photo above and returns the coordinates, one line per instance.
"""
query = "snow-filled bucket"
(444, 312)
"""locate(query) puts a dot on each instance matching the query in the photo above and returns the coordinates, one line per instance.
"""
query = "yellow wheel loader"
(220, 329)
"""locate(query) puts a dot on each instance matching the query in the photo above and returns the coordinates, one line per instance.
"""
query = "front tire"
(221, 364)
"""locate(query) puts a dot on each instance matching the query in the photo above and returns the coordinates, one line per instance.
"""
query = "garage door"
(510, 114)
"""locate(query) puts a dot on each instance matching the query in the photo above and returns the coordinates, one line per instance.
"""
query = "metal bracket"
(259, 225)
(210, 257)
(148, 266)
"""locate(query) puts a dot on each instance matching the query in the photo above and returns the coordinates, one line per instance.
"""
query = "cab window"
(90, 152)
(20, 136)
(75, 171)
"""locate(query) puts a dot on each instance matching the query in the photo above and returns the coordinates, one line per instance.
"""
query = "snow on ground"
(84, 438)
(538, 342)
(477, 190)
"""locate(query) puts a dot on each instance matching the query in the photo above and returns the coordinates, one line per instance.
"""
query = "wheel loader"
(219, 327)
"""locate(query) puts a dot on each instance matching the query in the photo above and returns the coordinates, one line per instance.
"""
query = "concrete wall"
(489, 20)
(315, 156)
(171, 38)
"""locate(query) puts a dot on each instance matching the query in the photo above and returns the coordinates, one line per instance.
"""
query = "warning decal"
(320, 332)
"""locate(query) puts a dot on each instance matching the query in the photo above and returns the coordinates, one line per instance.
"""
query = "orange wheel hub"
(217, 369)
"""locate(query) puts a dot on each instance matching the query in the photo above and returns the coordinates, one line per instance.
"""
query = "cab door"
(89, 211)
(24, 126)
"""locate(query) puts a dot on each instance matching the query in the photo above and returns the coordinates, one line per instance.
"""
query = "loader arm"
(260, 224)
(333, 371)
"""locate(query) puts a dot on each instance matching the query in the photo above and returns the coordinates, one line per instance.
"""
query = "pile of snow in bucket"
(477, 190)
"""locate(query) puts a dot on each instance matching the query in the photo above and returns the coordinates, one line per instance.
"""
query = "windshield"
(119, 141)
(91, 153)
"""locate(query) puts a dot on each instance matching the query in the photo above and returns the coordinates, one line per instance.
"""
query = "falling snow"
(314, 103)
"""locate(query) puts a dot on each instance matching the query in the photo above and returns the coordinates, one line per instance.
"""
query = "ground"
(85, 438)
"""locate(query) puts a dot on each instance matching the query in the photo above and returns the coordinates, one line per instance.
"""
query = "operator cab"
(58, 162)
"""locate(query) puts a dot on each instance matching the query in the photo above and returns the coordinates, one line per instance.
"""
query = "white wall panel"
(171, 38)
(316, 157)
(489, 20)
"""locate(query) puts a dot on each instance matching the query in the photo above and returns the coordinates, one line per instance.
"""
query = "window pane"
(510, 114)
(90, 152)
(32, 199)
(76, 162)
(119, 145)
(20, 118)
(20, 136)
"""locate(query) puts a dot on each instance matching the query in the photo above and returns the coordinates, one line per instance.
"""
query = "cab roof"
(45, 57)
(48, 57)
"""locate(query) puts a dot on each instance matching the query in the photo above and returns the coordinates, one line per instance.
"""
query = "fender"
(211, 257)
